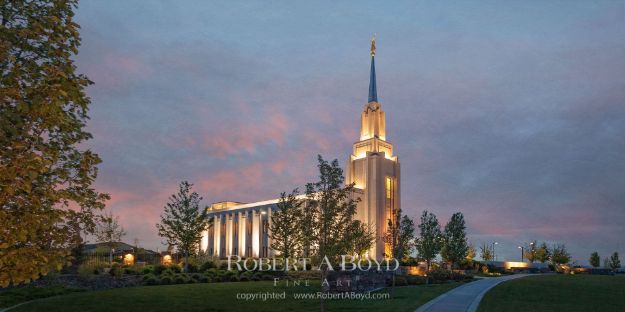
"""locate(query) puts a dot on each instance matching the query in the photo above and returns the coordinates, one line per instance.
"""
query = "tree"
(429, 242)
(362, 237)
(406, 241)
(109, 231)
(46, 174)
(332, 210)
(470, 252)
(391, 237)
(455, 246)
(595, 260)
(285, 233)
(615, 262)
(486, 253)
(559, 254)
(530, 251)
(542, 253)
(182, 222)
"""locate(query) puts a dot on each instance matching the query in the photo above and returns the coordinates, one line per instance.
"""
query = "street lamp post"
(494, 254)
(522, 253)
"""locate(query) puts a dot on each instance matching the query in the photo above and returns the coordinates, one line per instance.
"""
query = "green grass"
(14, 296)
(579, 292)
(222, 297)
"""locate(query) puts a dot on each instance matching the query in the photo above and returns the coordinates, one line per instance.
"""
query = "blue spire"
(373, 92)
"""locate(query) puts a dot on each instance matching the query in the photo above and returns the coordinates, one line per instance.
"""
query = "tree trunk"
(324, 289)
(186, 262)
(427, 270)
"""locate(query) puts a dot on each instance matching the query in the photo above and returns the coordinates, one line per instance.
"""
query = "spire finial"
(373, 45)
(373, 92)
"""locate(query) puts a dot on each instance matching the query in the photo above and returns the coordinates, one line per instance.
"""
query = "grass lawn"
(579, 292)
(222, 297)
(15, 296)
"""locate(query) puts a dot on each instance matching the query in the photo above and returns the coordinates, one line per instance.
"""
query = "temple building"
(243, 228)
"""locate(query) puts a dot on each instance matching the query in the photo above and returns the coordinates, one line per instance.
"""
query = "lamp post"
(494, 254)
(521, 247)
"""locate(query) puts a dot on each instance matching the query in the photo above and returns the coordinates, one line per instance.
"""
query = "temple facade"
(243, 228)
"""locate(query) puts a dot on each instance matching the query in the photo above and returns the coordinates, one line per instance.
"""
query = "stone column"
(255, 234)
(229, 223)
(269, 250)
(242, 234)
(217, 236)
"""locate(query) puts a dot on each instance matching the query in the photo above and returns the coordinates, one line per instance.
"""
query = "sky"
(511, 112)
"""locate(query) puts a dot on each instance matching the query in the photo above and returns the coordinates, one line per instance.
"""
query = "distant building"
(243, 228)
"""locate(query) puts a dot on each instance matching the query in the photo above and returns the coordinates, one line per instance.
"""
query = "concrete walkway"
(466, 297)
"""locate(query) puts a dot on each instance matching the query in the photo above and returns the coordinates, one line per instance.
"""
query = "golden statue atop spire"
(373, 45)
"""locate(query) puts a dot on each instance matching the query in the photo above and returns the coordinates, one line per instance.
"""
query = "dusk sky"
(512, 113)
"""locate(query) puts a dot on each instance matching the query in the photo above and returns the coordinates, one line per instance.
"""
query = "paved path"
(466, 297)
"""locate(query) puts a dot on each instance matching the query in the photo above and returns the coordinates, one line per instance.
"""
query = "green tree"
(530, 251)
(615, 262)
(470, 252)
(109, 231)
(486, 253)
(595, 260)
(333, 209)
(406, 242)
(183, 221)
(429, 241)
(362, 237)
(391, 237)
(46, 173)
(455, 247)
(542, 253)
(285, 233)
(559, 254)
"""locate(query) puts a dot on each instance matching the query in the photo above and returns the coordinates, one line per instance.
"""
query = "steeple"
(373, 93)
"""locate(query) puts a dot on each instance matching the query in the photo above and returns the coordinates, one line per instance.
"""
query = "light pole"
(494, 254)
(521, 247)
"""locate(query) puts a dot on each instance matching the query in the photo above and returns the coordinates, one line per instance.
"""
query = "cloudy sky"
(512, 113)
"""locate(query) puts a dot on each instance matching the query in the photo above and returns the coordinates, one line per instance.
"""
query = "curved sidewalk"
(466, 297)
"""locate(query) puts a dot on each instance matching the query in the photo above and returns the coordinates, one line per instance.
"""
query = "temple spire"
(373, 93)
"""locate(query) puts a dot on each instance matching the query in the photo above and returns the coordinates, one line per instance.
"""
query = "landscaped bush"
(439, 275)
(207, 265)
(166, 280)
(176, 268)
(231, 276)
(181, 279)
(196, 277)
(90, 267)
(223, 265)
(116, 270)
(159, 268)
(191, 268)
(416, 280)
(148, 269)
(400, 281)
(150, 279)
(205, 278)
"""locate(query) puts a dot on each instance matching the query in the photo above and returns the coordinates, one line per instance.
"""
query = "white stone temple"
(243, 228)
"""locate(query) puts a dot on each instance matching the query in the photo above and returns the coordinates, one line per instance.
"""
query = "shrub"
(150, 279)
(439, 275)
(159, 268)
(204, 279)
(166, 280)
(257, 276)
(147, 276)
(196, 277)
(416, 280)
(89, 268)
(223, 265)
(231, 276)
(116, 270)
(148, 269)
(207, 265)
(176, 268)
(180, 279)
(129, 271)
(401, 281)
